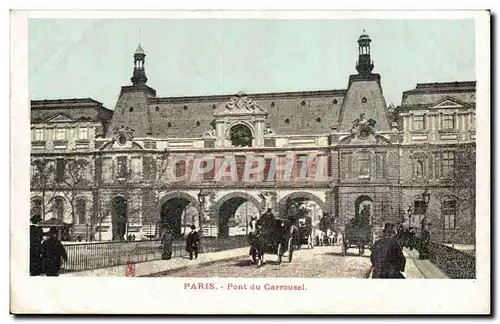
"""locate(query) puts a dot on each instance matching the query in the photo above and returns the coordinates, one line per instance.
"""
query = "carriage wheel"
(280, 255)
(290, 250)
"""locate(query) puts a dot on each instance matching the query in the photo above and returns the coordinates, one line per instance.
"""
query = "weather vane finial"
(139, 37)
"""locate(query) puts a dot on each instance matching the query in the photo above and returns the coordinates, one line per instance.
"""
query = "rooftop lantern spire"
(364, 65)
(139, 76)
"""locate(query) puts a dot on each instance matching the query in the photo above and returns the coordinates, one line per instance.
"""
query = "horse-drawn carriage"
(278, 240)
(304, 232)
(357, 235)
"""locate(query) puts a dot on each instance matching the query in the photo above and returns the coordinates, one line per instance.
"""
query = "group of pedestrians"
(46, 250)
(192, 243)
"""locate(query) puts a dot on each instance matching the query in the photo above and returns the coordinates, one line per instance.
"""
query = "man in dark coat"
(387, 256)
(192, 243)
(52, 253)
(36, 237)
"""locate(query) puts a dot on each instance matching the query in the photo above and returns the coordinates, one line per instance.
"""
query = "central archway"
(312, 204)
(178, 211)
(234, 212)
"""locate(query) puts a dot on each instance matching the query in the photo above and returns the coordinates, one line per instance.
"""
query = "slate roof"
(307, 112)
(427, 94)
(76, 109)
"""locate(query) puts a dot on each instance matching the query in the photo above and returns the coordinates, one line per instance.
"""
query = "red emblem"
(130, 270)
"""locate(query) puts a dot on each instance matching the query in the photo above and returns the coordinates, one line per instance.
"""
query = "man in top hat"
(387, 256)
(192, 243)
(52, 253)
(36, 237)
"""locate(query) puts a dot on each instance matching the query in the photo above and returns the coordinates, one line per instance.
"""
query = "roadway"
(320, 262)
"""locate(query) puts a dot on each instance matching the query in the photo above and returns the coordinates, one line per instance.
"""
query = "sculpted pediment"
(449, 103)
(240, 105)
(59, 118)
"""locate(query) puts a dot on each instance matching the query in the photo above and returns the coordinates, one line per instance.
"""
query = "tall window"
(364, 166)
(208, 175)
(83, 133)
(473, 121)
(60, 167)
(60, 133)
(267, 169)
(448, 165)
(346, 165)
(419, 122)
(122, 166)
(448, 122)
(58, 208)
(81, 210)
(419, 210)
(180, 168)
(380, 164)
(449, 210)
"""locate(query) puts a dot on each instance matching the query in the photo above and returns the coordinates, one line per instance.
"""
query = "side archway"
(173, 206)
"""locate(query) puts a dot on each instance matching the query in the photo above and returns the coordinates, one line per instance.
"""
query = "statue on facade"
(268, 130)
(241, 102)
(123, 133)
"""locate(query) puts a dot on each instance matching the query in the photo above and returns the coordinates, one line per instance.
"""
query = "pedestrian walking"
(193, 243)
(36, 238)
(167, 239)
(53, 252)
(387, 256)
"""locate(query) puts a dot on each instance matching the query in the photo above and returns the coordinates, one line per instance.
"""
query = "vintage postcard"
(232, 162)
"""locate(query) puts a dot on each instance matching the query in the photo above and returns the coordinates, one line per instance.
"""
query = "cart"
(305, 232)
(357, 236)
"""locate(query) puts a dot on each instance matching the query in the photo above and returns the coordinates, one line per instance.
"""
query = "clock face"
(363, 134)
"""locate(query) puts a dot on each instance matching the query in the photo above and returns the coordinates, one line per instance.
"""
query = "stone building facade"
(340, 150)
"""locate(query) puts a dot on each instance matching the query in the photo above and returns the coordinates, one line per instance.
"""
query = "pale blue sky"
(76, 58)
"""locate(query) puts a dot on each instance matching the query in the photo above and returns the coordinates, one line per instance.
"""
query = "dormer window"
(364, 100)
(131, 109)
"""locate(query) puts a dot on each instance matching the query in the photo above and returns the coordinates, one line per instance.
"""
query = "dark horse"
(259, 242)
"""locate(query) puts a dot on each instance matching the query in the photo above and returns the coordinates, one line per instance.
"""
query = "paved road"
(320, 262)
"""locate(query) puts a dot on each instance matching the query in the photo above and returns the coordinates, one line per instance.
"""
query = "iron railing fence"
(95, 255)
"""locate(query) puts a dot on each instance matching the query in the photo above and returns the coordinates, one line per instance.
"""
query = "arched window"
(81, 210)
(58, 208)
(240, 135)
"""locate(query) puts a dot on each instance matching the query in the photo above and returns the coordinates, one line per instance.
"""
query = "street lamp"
(201, 200)
(426, 197)
(409, 211)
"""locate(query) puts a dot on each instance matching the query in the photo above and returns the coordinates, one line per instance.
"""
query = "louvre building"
(106, 174)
